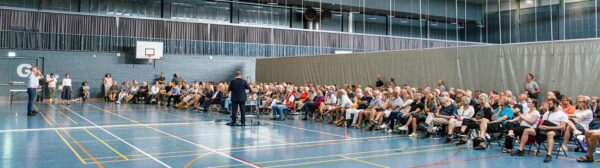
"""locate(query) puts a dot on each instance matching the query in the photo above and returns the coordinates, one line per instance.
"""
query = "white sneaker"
(576, 132)
(390, 131)
(403, 128)
(413, 135)
(118, 102)
(383, 126)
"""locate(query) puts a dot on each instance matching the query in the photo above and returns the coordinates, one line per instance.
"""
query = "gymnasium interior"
(299, 83)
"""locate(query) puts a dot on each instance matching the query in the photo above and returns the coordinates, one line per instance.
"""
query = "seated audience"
(553, 122)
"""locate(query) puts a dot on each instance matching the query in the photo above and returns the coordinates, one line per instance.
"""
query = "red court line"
(459, 161)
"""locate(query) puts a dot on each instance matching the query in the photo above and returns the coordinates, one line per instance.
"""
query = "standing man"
(532, 87)
(379, 82)
(33, 82)
(238, 87)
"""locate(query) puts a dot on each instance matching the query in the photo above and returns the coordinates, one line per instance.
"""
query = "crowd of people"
(457, 114)
(176, 93)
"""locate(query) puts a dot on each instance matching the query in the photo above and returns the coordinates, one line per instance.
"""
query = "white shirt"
(556, 117)
(584, 117)
(134, 88)
(331, 99)
(154, 89)
(33, 81)
(525, 107)
(66, 82)
(53, 83)
(345, 102)
(529, 115)
(466, 113)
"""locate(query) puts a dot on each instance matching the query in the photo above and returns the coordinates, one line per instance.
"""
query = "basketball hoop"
(149, 52)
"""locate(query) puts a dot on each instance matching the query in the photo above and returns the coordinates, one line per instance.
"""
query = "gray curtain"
(570, 67)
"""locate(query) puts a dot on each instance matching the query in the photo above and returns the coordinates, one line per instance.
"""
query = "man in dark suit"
(237, 88)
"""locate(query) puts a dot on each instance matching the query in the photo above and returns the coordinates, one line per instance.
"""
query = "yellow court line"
(335, 160)
(66, 142)
(243, 149)
(362, 161)
(105, 144)
(77, 143)
(96, 137)
(324, 156)
(70, 147)
(47, 121)
(194, 160)
(63, 114)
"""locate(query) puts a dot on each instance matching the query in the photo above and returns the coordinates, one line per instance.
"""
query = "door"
(17, 70)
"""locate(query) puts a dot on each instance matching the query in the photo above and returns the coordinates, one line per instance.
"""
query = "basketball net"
(150, 57)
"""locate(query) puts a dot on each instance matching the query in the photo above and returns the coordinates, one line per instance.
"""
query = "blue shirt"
(175, 91)
(506, 111)
(449, 110)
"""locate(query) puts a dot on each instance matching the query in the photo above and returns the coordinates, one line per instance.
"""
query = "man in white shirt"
(553, 123)
(33, 82)
(51, 80)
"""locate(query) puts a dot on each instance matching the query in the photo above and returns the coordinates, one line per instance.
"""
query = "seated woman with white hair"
(464, 112)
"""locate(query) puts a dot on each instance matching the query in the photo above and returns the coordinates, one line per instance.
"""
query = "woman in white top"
(107, 82)
(526, 119)
(67, 88)
(465, 111)
(154, 90)
(579, 121)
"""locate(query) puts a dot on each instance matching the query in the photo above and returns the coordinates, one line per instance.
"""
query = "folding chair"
(558, 142)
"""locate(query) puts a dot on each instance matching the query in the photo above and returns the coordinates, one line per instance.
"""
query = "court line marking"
(102, 126)
(66, 143)
(90, 133)
(304, 129)
(240, 149)
(362, 161)
(195, 159)
(176, 137)
(335, 155)
(117, 137)
(78, 144)
(105, 144)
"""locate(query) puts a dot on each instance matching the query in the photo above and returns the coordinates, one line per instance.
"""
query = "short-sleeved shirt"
(584, 117)
(374, 103)
(53, 83)
(531, 86)
(125, 88)
(529, 116)
(506, 111)
(414, 106)
(365, 98)
(569, 110)
(33, 81)
(485, 112)
(466, 112)
(397, 101)
(114, 88)
(379, 83)
(345, 102)
(448, 110)
(556, 117)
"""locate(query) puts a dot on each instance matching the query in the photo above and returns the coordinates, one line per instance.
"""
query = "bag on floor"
(477, 142)
(508, 142)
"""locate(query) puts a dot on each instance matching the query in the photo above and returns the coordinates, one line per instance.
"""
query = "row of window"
(476, 21)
